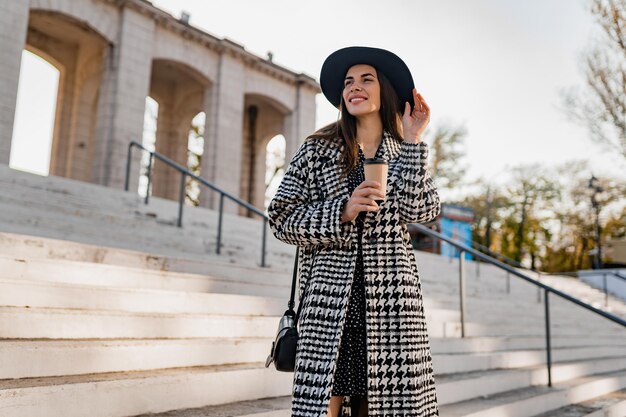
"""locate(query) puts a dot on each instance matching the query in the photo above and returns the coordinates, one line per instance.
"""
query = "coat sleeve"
(418, 198)
(294, 219)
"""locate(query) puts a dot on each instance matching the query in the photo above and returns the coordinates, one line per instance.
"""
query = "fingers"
(425, 107)
(359, 204)
(365, 201)
(420, 103)
(368, 183)
(375, 193)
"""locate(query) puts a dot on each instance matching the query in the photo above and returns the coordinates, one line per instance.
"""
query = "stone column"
(224, 106)
(13, 26)
(126, 82)
(65, 106)
(300, 123)
(172, 137)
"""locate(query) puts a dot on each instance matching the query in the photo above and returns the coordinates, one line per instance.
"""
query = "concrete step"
(44, 358)
(487, 344)
(57, 323)
(161, 239)
(35, 247)
(132, 393)
(535, 400)
(265, 407)
(609, 405)
(41, 358)
(241, 281)
(520, 402)
(52, 323)
(61, 193)
(92, 196)
(466, 386)
(20, 293)
(63, 323)
(41, 294)
(471, 362)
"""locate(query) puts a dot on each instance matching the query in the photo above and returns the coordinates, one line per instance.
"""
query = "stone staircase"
(108, 309)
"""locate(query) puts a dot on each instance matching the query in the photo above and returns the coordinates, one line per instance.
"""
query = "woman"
(363, 347)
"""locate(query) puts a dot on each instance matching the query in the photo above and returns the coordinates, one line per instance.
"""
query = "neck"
(369, 131)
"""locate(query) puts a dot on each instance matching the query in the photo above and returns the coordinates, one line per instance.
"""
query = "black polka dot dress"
(351, 372)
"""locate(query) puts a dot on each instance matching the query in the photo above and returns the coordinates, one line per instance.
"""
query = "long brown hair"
(344, 129)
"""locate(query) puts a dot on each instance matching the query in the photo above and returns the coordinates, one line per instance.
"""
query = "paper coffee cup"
(376, 170)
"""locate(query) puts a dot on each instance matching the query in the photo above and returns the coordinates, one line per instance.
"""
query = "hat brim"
(338, 63)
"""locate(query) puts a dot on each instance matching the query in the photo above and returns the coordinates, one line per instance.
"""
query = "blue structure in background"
(456, 223)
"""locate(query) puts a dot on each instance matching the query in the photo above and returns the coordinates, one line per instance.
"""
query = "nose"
(354, 86)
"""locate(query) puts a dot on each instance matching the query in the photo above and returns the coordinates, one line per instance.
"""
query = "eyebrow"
(362, 75)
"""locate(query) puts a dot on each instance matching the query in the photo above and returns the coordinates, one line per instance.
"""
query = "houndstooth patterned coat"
(306, 212)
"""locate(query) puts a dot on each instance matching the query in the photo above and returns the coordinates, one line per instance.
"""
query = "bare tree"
(445, 157)
(601, 103)
(532, 190)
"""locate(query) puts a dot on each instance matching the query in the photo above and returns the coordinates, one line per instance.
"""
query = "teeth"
(357, 99)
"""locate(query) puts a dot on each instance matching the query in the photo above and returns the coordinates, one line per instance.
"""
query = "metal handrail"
(547, 289)
(184, 174)
(540, 273)
(497, 255)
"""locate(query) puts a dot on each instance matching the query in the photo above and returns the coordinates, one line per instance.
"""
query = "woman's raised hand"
(414, 123)
(362, 199)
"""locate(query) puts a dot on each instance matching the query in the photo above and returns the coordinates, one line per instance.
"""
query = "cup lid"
(375, 161)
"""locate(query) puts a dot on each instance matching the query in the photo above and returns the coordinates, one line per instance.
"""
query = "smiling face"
(361, 91)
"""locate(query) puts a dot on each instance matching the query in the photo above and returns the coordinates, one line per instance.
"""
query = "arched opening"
(76, 51)
(195, 149)
(264, 119)
(34, 115)
(274, 166)
(180, 92)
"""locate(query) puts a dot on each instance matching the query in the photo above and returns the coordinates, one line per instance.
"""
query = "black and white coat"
(306, 212)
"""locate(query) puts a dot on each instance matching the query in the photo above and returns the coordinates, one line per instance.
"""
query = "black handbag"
(283, 352)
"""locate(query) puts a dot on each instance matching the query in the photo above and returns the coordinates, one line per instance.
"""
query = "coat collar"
(334, 149)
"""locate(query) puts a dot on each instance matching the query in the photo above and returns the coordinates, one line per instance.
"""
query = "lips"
(357, 99)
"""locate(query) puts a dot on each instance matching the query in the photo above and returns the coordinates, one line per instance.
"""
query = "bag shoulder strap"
(291, 303)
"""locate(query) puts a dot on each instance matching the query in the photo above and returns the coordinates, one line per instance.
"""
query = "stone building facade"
(112, 54)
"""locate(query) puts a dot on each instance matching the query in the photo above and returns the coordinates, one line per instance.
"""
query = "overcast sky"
(495, 67)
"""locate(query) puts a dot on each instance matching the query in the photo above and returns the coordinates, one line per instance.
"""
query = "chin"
(362, 112)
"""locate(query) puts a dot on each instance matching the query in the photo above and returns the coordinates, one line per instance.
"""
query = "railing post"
(538, 287)
(263, 243)
(548, 348)
(181, 198)
(149, 174)
(127, 179)
(606, 291)
(462, 290)
(219, 224)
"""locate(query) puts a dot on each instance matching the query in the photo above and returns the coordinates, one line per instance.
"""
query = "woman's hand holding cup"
(362, 199)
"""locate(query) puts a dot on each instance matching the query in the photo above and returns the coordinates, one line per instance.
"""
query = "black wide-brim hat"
(338, 63)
